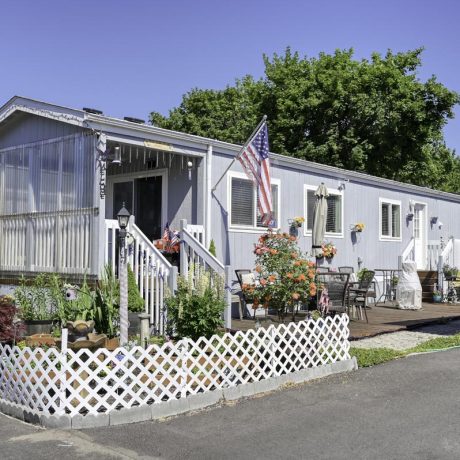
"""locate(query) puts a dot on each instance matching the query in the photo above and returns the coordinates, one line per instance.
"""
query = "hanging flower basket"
(296, 222)
(358, 227)
(329, 250)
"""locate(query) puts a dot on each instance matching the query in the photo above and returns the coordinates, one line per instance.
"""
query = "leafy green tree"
(374, 116)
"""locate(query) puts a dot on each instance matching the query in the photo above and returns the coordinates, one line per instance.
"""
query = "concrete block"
(239, 391)
(130, 415)
(3, 406)
(170, 408)
(63, 422)
(32, 416)
(206, 399)
(265, 385)
(90, 421)
(13, 410)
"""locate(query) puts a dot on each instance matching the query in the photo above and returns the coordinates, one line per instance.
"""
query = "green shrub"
(35, 300)
(135, 300)
(212, 248)
(196, 309)
(106, 303)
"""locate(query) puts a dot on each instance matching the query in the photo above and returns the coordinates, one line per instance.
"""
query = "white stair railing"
(407, 254)
(433, 253)
(154, 274)
(194, 253)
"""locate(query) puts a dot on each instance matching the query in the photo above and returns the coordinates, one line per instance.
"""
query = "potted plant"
(358, 227)
(329, 250)
(449, 272)
(437, 296)
(296, 222)
(36, 305)
(284, 277)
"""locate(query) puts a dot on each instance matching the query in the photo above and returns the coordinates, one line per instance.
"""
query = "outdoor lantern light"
(189, 167)
(123, 220)
(117, 156)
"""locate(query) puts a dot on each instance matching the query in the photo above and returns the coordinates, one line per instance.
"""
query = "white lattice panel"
(91, 382)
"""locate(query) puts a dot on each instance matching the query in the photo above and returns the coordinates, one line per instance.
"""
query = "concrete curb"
(174, 407)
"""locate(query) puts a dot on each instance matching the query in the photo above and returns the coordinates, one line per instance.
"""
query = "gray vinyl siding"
(361, 203)
(24, 128)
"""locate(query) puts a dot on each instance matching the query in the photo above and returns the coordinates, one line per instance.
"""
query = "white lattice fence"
(87, 382)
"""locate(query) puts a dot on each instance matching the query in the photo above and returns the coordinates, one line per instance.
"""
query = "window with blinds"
(390, 223)
(334, 211)
(243, 203)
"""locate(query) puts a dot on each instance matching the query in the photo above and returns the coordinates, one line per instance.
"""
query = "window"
(243, 202)
(390, 219)
(334, 221)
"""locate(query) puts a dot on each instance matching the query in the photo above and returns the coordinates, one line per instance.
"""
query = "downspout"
(208, 198)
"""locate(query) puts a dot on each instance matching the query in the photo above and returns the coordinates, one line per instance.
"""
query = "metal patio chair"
(359, 292)
(336, 286)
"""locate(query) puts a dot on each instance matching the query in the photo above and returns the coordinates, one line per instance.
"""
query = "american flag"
(173, 238)
(166, 232)
(170, 237)
(256, 164)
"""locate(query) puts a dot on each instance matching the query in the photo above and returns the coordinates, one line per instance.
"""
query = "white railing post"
(183, 250)
(173, 273)
(228, 298)
(440, 273)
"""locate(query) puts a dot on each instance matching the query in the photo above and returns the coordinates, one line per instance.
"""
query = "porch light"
(117, 156)
(123, 217)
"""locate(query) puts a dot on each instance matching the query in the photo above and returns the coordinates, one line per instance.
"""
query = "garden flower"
(301, 277)
(258, 269)
(272, 278)
(273, 251)
(295, 295)
(311, 264)
(297, 263)
(289, 275)
(263, 281)
(294, 255)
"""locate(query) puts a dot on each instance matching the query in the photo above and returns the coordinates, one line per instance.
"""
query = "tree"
(373, 116)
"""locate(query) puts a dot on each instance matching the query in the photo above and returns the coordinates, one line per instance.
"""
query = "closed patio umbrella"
(319, 220)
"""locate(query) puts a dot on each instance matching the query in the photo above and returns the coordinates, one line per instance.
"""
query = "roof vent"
(135, 120)
(95, 111)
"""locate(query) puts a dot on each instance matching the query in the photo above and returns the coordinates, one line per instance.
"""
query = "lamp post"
(123, 219)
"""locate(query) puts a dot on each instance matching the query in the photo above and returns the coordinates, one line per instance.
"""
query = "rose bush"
(284, 275)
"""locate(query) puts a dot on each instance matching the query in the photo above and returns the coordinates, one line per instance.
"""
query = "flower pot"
(38, 326)
(437, 298)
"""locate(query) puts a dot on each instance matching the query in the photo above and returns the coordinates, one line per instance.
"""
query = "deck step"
(429, 281)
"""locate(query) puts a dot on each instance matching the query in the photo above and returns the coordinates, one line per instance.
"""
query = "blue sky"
(128, 58)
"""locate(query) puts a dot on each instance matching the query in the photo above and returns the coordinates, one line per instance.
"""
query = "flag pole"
(254, 133)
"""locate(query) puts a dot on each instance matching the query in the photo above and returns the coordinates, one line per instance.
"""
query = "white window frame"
(247, 228)
(392, 202)
(332, 191)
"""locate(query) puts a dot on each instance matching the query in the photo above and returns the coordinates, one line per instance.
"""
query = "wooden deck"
(382, 318)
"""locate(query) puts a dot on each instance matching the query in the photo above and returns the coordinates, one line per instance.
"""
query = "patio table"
(388, 288)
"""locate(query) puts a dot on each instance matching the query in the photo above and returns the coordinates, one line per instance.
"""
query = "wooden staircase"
(428, 280)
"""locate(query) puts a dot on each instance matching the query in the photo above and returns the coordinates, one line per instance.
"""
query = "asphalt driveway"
(407, 408)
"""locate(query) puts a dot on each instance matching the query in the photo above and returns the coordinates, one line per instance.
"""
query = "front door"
(142, 197)
(420, 235)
